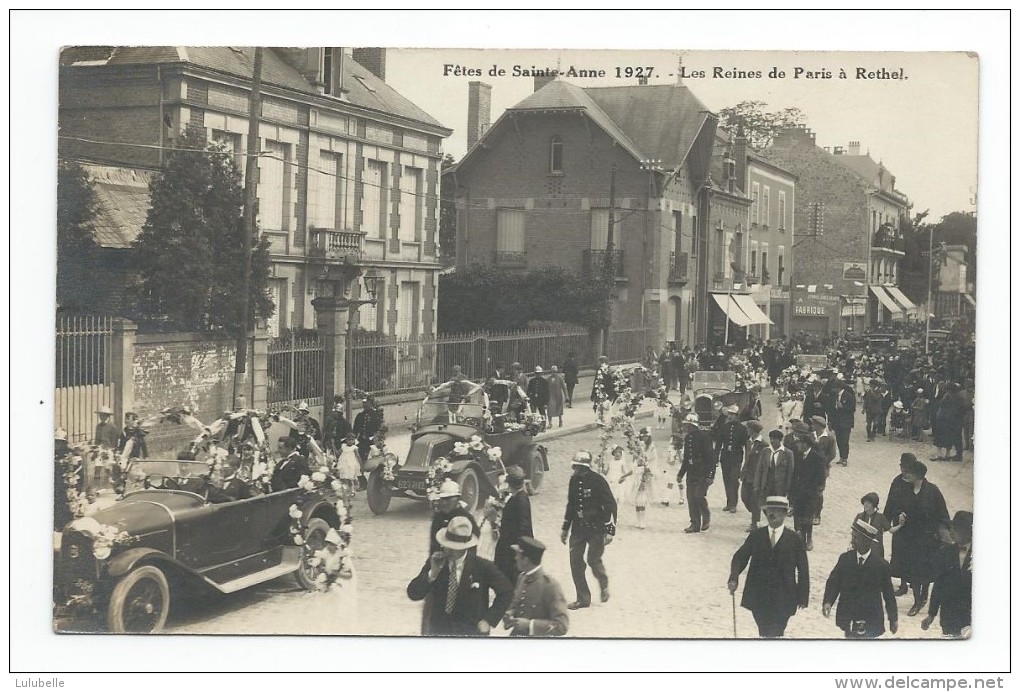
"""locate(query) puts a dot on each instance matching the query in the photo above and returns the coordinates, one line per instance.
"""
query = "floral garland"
(438, 469)
(331, 562)
(104, 536)
(475, 448)
(390, 462)
(622, 421)
(71, 466)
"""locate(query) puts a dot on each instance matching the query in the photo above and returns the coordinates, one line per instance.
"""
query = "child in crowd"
(872, 516)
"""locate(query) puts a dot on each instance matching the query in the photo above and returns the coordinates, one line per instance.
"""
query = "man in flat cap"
(698, 464)
(590, 523)
(777, 580)
(730, 439)
(861, 581)
(951, 594)
(538, 608)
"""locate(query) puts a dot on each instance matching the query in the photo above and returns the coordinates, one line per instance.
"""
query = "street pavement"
(663, 583)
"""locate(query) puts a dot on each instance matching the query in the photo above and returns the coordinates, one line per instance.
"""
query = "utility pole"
(610, 263)
(250, 227)
(927, 308)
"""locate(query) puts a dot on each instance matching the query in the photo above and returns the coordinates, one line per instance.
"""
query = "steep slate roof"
(866, 167)
(122, 196)
(364, 88)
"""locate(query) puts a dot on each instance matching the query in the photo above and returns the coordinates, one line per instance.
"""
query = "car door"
(269, 521)
(213, 534)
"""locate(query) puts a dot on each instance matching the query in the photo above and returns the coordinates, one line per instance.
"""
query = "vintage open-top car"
(496, 412)
(169, 532)
(711, 390)
(815, 361)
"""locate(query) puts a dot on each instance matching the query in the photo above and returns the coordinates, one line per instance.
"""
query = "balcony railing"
(510, 258)
(883, 240)
(337, 246)
(678, 262)
(598, 262)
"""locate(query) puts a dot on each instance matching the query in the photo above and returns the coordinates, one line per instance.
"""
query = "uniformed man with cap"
(698, 464)
(861, 581)
(538, 608)
(825, 443)
(590, 523)
(731, 438)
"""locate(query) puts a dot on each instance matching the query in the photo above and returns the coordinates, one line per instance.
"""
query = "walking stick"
(733, 600)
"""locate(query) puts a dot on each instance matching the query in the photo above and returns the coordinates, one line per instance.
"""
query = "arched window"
(556, 154)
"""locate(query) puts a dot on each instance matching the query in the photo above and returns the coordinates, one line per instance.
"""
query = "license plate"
(416, 486)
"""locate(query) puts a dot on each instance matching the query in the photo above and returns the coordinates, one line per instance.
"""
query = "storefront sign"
(854, 271)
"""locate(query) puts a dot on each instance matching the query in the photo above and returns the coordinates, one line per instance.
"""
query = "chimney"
(740, 157)
(372, 59)
(642, 81)
(307, 61)
(854, 148)
(794, 135)
(837, 151)
(479, 108)
(542, 80)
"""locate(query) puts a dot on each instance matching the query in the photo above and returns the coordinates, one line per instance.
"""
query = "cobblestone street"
(664, 583)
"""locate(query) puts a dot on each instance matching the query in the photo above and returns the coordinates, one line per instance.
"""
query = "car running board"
(290, 564)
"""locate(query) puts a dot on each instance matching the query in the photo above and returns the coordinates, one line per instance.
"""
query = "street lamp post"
(372, 285)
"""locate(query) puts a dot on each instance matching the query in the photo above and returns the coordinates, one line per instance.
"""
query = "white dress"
(617, 469)
(348, 466)
(487, 540)
(650, 492)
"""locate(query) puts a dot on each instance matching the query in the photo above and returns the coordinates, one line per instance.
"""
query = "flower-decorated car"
(712, 390)
(175, 528)
(463, 433)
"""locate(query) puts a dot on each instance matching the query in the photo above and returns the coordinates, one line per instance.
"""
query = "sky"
(923, 128)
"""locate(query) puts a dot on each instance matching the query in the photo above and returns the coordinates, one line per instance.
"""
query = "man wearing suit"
(772, 475)
(951, 594)
(458, 583)
(842, 416)
(698, 464)
(231, 487)
(590, 523)
(826, 446)
(538, 608)
(515, 524)
(752, 455)
(731, 438)
(777, 581)
(861, 580)
(447, 507)
(289, 470)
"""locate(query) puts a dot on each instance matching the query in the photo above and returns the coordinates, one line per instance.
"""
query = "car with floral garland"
(470, 432)
(171, 531)
(712, 390)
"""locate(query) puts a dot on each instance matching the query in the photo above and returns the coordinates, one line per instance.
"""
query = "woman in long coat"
(916, 511)
(948, 427)
(557, 394)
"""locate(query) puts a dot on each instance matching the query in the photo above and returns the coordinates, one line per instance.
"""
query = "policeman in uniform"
(538, 608)
(590, 523)
(730, 441)
(698, 464)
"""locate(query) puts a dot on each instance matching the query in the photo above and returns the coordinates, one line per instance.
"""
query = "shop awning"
(886, 300)
(970, 299)
(898, 296)
(751, 309)
(732, 309)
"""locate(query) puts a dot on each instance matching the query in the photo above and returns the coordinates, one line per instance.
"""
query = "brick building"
(349, 169)
(848, 239)
(534, 191)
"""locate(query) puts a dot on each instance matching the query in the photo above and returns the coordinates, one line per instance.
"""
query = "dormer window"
(556, 155)
(327, 70)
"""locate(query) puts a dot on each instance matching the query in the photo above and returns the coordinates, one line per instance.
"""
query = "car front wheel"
(378, 492)
(315, 539)
(139, 602)
(469, 489)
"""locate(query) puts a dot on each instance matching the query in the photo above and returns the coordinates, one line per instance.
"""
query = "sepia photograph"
(505, 342)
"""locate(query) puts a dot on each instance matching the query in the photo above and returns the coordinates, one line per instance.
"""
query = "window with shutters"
(231, 143)
(410, 306)
(510, 237)
(725, 257)
(754, 259)
(755, 194)
(600, 230)
(781, 268)
(765, 263)
(694, 236)
(765, 205)
(329, 207)
(373, 205)
(782, 210)
(274, 190)
(410, 202)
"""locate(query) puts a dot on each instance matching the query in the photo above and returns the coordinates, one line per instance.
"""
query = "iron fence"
(83, 373)
(296, 370)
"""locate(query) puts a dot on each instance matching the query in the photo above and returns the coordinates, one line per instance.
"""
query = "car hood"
(460, 433)
(147, 510)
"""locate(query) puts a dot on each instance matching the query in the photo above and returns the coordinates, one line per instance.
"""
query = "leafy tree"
(189, 254)
(77, 248)
(760, 126)
(447, 218)
(482, 297)
(956, 228)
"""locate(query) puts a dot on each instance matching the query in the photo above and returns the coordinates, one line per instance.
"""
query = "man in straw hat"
(458, 583)
(538, 608)
(590, 523)
(698, 464)
(107, 434)
(861, 581)
(447, 507)
(777, 581)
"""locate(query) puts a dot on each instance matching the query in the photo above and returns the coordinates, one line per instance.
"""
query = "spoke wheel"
(378, 492)
(315, 539)
(469, 492)
(139, 602)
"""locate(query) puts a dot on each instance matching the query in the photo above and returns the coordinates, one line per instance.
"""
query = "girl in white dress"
(348, 466)
(647, 475)
(619, 474)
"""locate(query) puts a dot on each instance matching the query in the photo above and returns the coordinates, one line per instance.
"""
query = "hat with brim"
(60, 434)
(105, 410)
(863, 528)
(459, 534)
(303, 406)
(538, 368)
(531, 548)
(963, 519)
(819, 420)
(776, 502)
(449, 489)
(582, 460)
(732, 410)
(515, 475)
(691, 419)
(753, 426)
(800, 428)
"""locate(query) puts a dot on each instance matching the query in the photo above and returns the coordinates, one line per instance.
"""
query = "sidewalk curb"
(557, 433)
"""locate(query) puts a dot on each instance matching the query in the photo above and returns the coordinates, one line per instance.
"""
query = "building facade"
(848, 238)
(540, 186)
(348, 169)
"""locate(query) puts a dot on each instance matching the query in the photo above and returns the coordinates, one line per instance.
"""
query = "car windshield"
(453, 401)
(725, 380)
(140, 469)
